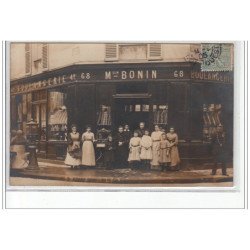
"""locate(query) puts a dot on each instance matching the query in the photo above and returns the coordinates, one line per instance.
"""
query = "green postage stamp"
(216, 57)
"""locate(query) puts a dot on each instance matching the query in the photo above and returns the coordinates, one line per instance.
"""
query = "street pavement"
(20, 181)
(126, 176)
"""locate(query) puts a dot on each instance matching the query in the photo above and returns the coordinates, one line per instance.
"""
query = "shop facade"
(112, 94)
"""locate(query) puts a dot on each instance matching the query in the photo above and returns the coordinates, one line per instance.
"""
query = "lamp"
(32, 137)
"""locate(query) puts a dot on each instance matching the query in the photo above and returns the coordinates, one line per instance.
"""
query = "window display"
(104, 116)
(211, 119)
(160, 113)
(58, 117)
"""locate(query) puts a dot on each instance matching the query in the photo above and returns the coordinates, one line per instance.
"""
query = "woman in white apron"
(73, 158)
(88, 152)
(156, 138)
(174, 152)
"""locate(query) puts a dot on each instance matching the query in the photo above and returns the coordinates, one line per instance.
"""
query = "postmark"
(216, 57)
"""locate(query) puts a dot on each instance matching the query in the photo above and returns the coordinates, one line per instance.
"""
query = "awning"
(59, 117)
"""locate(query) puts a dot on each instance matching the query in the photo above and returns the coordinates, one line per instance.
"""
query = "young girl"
(88, 152)
(164, 152)
(134, 150)
(72, 159)
(146, 149)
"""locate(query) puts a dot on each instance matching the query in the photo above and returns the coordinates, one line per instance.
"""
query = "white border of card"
(143, 197)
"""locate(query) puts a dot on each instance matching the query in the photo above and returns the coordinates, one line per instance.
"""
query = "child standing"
(134, 150)
(109, 153)
(164, 151)
(146, 149)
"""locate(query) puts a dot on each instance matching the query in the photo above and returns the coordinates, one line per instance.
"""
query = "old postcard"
(121, 114)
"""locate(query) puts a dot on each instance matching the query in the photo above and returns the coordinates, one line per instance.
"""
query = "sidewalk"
(49, 171)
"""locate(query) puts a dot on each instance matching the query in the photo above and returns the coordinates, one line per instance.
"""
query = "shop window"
(160, 113)
(133, 52)
(58, 117)
(211, 119)
(104, 116)
(19, 111)
(136, 108)
(39, 102)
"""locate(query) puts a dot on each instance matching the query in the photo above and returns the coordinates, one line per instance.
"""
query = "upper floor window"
(127, 52)
(27, 58)
(45, 55)
(40, 53)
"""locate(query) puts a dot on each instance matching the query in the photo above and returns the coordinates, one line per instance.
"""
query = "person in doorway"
(146, 150)
(174, 152)
(73, 156)
(88, 152)
(127, 132)
(109, 153)
(134, 151)
(141, 129)
(219, 150)
(121, 148)
(164, 152)
(156, 138)
(18, 144)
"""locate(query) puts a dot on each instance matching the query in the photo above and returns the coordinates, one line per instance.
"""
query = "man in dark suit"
(219, 151)
(121, 148)
(141, 129)
(128, 135)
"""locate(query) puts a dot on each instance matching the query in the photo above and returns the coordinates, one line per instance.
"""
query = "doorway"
(131, 110)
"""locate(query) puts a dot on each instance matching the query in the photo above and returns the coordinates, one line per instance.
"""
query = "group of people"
(139, 149)
(157, 151)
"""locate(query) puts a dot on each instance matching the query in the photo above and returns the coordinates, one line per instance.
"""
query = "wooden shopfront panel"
(179, 109)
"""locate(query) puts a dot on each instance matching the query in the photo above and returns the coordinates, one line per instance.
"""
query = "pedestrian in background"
(18, 144)
(218, 144)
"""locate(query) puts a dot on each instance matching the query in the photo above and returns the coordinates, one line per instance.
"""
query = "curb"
(117, 180)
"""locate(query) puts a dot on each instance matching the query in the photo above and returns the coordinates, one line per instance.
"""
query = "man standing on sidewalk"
(121, 149)
(219, 150)
(141, 129)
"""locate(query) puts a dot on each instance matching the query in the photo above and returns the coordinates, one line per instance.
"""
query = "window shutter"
(111, 52)
(154, 51)
(45, 55)
(27, 58)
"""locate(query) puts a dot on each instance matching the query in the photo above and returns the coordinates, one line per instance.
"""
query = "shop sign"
(131, 74)
(223, 77)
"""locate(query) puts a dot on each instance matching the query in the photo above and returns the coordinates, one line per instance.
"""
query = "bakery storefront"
(108, 95)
